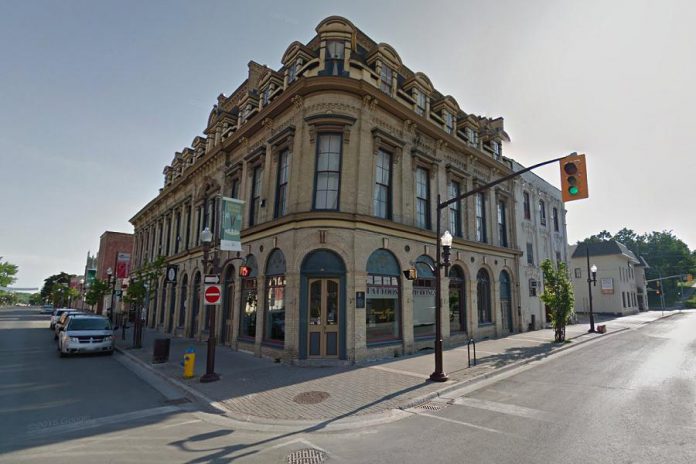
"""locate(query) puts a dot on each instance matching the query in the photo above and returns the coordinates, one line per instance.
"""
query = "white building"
(620, 288)
(541, 234)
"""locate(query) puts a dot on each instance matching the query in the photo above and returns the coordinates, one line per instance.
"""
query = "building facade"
(111, 244)
(341, 156)
(620, 289)
(541, 232)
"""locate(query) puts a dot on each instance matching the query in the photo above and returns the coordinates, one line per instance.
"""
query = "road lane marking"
(108, 420)
(505, 408)
(466, 424)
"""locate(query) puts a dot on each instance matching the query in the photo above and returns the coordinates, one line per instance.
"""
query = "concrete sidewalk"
(261, 391)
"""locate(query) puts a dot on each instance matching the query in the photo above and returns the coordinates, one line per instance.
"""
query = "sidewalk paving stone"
(258, 388)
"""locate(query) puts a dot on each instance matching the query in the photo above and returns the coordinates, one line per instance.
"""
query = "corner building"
(340, 156)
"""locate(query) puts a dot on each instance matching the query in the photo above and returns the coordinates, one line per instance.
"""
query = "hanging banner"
(231, 224)
(91, 275)
(122, 265)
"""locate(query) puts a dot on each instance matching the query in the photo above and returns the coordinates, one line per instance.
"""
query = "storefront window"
(424, 299)
(275, 308)
(383, 308)
(457, 300)
(247, 318)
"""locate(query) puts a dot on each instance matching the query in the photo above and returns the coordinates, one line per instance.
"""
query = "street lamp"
(210, 375)
(446, 243)
(591, 280)
(112, 282)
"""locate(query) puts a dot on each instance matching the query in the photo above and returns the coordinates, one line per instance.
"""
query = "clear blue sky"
(95, 98)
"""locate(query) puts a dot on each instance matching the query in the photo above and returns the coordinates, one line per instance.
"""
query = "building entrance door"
(323, 330)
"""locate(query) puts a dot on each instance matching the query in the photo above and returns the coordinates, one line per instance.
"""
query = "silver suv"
(86, 334)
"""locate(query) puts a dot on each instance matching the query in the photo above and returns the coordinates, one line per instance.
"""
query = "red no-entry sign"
(212, 294)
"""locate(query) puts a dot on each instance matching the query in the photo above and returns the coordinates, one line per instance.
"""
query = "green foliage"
(8, 272)
(35, 299)
(96, 291)
(558, 296)
(53, 284)
(141, 280)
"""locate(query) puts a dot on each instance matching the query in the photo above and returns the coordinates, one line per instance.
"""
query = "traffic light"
(411, 273)
(244, 271)
(574, 177)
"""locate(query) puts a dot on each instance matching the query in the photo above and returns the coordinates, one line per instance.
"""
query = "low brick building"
(110, 245)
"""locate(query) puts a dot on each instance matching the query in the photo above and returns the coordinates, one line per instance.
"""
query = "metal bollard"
(189, 362)
(468, 350)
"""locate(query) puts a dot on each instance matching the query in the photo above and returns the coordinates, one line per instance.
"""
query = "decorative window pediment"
(330, 123)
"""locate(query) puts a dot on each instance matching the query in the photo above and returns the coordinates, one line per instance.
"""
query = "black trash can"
(160, 352)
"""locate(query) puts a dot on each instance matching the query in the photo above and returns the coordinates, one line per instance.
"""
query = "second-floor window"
(449, 121)
(481, 217)
(292, 73)
(542, 212)
(495, 147)
(502, 224)
(555, 220)
(527, 206)
(530, 254)
(383, 194)
(234, 189)
(385, 82)
(455, 213)
(266, 95)
(281, 200)
(255, 196)
(327, 180)
(422, 198)
(471, 136)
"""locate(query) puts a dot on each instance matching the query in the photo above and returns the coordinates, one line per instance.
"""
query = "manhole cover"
(307, 455)
(310, 397)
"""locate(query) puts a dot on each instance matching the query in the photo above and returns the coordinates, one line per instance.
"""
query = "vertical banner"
(91, 275)
(231, 224)
(122, 265)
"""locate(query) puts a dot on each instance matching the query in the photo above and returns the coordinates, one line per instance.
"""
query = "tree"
(7, 278)
(54, 285)
(35, 299)
(97, 290)
(558, 296)
(142, 281)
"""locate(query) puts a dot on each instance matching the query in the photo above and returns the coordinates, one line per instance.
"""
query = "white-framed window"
(382, 193)
(449, 121)
(578, 273)
(422, 198)
(471, 136)
(481, 234)
(328, 171)
(281, 203)
(420, 99)
(495, 147)
(385, 81)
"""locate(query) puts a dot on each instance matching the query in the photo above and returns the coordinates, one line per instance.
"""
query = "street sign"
(211, 279)
(212, 294)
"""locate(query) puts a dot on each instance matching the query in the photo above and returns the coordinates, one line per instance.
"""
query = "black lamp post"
(446, 243)
(591, 271)
(210, 375)
(112, 282)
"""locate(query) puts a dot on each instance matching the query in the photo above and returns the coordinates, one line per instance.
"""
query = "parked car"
(63, 320)
(86, 333)
(47, 309)
(56, 315)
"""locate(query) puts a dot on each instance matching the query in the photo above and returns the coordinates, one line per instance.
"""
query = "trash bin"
(160, 352)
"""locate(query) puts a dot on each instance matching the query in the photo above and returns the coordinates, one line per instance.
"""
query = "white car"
(56, 315)
(86, 333)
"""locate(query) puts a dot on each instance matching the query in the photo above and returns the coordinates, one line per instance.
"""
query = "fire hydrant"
(189, 362)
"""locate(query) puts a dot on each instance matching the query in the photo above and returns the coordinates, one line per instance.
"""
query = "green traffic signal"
(573, 190)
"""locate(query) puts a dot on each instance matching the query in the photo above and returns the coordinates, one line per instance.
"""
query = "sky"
(96, 97)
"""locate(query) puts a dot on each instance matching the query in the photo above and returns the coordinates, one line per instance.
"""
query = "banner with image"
(231, 224)
(122, 265)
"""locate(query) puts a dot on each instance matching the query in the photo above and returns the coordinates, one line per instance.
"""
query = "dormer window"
(449, 121)
(266, 98)
(292, 73)
(334, 57)
(420, 99)
(471, 136)
(245, 112)
(386, 80)
(495, 147)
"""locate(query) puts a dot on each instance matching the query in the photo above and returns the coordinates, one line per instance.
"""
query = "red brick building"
(111, 244)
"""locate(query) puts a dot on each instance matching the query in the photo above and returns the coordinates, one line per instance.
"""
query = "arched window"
(506, 301)
(457, 300)
(274, 327)
(227, 301)
(182, 298)
(383, 308)
(483, 296)
(424, 298)
(172, 306)
(247, 316)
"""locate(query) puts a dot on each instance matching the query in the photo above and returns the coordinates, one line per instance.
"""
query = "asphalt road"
(625, 398)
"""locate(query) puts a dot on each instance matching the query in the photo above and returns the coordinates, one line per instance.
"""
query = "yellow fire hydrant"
(189, 363)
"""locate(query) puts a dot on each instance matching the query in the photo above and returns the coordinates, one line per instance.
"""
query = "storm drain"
(311, 397)
(431, 406)
(307, 456)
